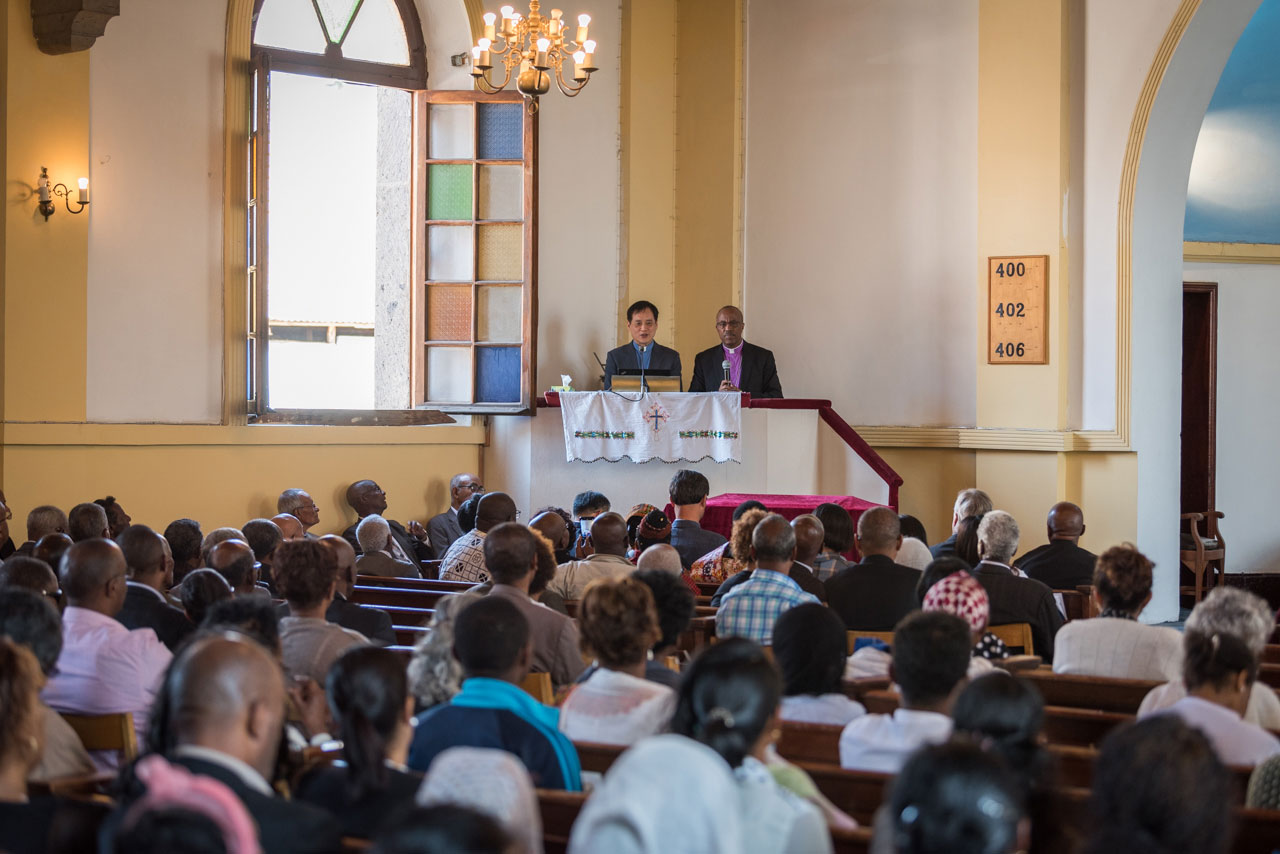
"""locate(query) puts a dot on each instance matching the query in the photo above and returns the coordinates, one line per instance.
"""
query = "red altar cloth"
(719, 516)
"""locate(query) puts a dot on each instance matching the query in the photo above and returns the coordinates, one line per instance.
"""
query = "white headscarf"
(489, 781)
(666, 795)
(914, 554)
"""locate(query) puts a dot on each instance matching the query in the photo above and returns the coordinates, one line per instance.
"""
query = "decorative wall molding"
(1231, 253)
(994, 439)
(68, 26)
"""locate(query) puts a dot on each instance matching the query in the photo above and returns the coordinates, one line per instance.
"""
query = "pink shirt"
(734, 358)
(105, 668)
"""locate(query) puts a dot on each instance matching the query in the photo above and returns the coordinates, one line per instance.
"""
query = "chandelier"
(539, 47)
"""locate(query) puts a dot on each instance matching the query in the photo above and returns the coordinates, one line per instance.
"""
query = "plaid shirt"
(465, 559)
(750, 609)
(828, 564)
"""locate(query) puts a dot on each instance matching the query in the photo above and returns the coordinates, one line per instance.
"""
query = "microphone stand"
(644, 387)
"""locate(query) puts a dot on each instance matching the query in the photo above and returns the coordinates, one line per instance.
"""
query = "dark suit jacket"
(326, 787)
(1021, 600)
(443, 530)
(147, 609)
(380, 563)
(373, 623)
(799, 573)
(693, 541)
(759, 372)
(284, 826)
(946, 548)
(412, 547)
(662, 359)
(1060, 564)
(873, 595)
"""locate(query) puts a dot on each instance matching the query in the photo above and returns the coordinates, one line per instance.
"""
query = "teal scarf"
(482, 693)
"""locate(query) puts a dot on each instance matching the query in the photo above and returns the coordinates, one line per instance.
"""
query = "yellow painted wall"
(931, 478)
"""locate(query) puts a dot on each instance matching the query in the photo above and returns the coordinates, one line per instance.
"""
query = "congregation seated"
(1061, 563)
(552, 525)
(634, 517)
(749, 609)
(809, 539)
(29, 573)
(248, 615)
(444, 828)
(931, 653)
(376, 547)
(299, 504)
(200, 591)
(369, 700)
(1234, 611)
(221, 716)
(1115, 644)
(875, 594)
(1264, 786)
(969, 502)
(290, 526)
(366, 498)
(956, 798)
(1014, 599)
(233, 560)
(32, 825)
(263, 536)
(185, 541)
(654, 530)
(104, 667)
(42, 521)
(307, 574)
(604, 551)
(494, 784)
(616, 704)
(837, 538)
(435, 675)
(661, 556)
(493, 644)
(674, 605)
(31, 620)
(465, 560)
(914, 554)
(809, 647)
(688, 492)
(51, 548)
(150, 576)
(1158, 786)
(1219, 670)
(117, 519)
(88, 521)
(444, 529)
(587, 506)
(740, 542)
(723, 561)
(373, 623)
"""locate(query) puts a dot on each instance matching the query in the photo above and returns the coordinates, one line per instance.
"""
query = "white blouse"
(774, 820)
(1236, 741)
(884, 742)
(820, 709)
(1263, 709)
(1118, 648)
(616, 708)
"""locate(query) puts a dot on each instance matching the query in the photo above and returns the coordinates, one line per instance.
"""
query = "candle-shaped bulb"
(476, 70)
(84, 183)
(584, 19)
(489, 18)
(544, 45)
(507, 10)
(579, 59)
(540, 60)
(556, 14)
(589, 45)
(84, 191)
(485, 44)
(579, 56)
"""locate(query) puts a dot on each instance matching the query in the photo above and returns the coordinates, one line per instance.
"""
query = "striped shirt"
(750, 609)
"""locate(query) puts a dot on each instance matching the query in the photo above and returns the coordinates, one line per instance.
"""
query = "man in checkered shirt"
(750, 609)
(464, 561)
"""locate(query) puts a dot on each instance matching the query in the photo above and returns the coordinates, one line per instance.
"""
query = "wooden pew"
(708, 588)
(572, 606)
(1269, 674)
(701, 632)
(408, 616)
(1089, 692)
(398, 597)
(856, 689)
(1271, 653)
(1073, 603)
(408, 635)
(413, 583)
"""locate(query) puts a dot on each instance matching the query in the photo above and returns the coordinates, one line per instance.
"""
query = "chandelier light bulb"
(584, 19)
(484, 44)
(507, 10)
(579, 56)
(544, 45)
(589, 46)
(489, 18)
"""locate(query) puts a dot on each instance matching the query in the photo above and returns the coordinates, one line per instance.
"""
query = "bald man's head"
(809, 537)
(1066, 521)
(144, 552)
(233, 559)
(366, 498)
(774, 543)
(661, 556)
(226, 693)
(290, 527)
(495, 508)
(879, 532)
(93, 576)
(346, 557)
(609, 534)
(551, 525)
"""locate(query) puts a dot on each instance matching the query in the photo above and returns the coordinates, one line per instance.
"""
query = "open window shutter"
(256, 324)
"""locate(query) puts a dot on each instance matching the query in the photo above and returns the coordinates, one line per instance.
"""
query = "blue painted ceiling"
(1233, 195)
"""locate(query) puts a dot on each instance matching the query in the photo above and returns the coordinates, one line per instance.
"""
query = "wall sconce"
(46, 194)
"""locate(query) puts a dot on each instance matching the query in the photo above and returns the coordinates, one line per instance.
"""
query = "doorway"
(1199, 394)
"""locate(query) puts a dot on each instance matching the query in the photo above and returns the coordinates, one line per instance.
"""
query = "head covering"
(174, 787)
(961, 595)
(1264, 786)
(655, 526)
(638, 803)
(640, 511)
(914, 554)
(490, 781)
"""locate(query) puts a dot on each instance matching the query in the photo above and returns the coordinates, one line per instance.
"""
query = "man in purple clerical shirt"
(749, 368)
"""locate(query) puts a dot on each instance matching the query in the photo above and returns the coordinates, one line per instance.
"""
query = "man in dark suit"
(231, 697)
(1061, 563)
(1014, 599)
(688, 492)
(442, 530)
(875, 594)
(367, 498)
(970, 502)
(751, 368)
(373, 623)
(642, 351)
(150, 571)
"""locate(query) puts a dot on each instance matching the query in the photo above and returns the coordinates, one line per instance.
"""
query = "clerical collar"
(731, 350)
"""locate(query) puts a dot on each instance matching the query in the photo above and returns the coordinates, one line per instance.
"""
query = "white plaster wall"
(1159, 208)
(1248, 409)
(155, 233)
(447, 31)
(861, 203)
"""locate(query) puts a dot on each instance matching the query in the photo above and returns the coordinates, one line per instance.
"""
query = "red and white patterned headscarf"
(961, 595)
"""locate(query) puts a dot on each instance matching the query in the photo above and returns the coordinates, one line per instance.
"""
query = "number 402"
(1011, 309)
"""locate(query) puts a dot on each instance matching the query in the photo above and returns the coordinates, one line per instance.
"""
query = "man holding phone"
(586, 507)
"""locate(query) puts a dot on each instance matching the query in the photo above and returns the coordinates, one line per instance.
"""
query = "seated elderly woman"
(1114, 643)
(1219, 670)
(1233, 611)
(616, 704)
(378, 549)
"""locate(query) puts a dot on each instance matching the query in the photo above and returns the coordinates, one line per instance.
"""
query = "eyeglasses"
(474, 487)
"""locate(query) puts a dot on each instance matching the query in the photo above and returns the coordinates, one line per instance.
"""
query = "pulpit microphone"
(725, 366)
(643, 349)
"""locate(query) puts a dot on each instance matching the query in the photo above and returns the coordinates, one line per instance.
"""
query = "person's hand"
(313, 710)
(583, 547)
(416, 530)
(725, 385)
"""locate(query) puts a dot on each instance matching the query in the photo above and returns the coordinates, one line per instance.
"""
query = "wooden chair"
(1202, 553)
(538, 686)
(854, 636)
(106, 732)
(1015, 635)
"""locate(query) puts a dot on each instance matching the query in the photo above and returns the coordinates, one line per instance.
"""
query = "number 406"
(1011, 350)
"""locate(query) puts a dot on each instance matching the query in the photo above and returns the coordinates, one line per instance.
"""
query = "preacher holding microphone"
(725, 366)
(644, 387)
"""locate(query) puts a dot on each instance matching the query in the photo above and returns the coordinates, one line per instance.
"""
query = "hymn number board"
(1018, 310)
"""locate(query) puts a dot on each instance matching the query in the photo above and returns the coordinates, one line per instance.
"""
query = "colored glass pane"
(501, 131)
(452, 132)
(449, 253)
(501, 192)
(289, 24)
(501, 253)
(448, 191)
(497, 374)
(499, 313)
(337, 16)
(377, 35)
(449, 313)
(449, 374)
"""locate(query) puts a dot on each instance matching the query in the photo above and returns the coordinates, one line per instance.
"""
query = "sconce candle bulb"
(44, 193)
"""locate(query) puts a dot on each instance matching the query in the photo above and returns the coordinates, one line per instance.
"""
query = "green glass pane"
(449, 191)
(337, 16)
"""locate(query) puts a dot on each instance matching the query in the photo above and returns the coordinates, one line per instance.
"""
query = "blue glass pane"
(497, 375)
(502, 131)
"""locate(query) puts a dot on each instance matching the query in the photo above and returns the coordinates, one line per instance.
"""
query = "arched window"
(391, 226)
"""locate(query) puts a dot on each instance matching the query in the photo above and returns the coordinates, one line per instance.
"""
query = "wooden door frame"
(1211, 289)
